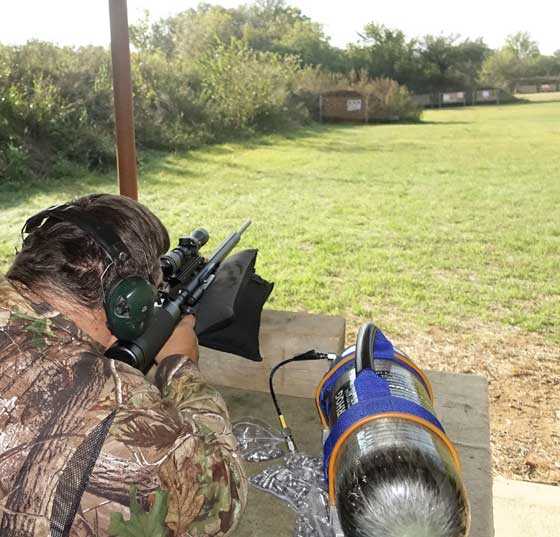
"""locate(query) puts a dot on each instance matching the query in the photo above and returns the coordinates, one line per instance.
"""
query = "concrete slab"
(526, 509)
(462, 404)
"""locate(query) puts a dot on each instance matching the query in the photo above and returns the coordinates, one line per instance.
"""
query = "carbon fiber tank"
(394, 475)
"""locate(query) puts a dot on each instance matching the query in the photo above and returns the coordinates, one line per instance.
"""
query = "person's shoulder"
(32, 325)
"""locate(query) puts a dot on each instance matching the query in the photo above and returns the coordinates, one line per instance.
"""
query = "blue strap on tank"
(383, 350)
(382, 347)
(374, 397)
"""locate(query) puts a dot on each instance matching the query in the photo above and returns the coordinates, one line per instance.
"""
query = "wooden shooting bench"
(461, 404)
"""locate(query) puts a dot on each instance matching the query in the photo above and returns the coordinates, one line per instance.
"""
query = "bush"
(389, 101)
(56, 108)
(243, 88)
(14, 161)
(169, 113)
(57, 102)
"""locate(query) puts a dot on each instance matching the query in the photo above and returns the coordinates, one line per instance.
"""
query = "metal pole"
(122, 91)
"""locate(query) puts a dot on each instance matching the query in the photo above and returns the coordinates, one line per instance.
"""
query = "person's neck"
(92, 322)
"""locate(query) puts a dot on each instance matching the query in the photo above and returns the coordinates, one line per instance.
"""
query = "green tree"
(384, 52)
(519, 58)
(522, 46)
(502, 69)
(266, 25)
(448, 63)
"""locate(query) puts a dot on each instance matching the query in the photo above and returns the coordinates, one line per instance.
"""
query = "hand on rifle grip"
(182, 341)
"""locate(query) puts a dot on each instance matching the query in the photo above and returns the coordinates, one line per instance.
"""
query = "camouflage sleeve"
(204, 477)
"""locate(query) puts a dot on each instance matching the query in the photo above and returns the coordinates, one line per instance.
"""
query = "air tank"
(391, 469)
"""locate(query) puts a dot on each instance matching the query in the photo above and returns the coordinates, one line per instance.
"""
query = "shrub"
(387, 100)
(56, 105)
(243, 88)
(169, 113)
(14, 161)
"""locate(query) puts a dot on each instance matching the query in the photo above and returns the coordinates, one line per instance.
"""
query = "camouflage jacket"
(64, 407)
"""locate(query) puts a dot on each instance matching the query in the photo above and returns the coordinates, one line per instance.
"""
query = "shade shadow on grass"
(153, 163)
(15, 193)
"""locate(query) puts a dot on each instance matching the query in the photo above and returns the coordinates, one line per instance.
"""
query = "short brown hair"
(61, 256)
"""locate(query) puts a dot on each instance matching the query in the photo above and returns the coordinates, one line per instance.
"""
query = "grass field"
(540, 97)
(431, 224)
(445, 233)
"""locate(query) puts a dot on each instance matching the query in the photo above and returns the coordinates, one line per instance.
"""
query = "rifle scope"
(173, 261)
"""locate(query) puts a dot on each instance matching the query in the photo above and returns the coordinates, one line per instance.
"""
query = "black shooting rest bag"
(228, 316)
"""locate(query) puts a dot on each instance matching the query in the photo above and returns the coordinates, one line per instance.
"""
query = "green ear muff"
(129, 305)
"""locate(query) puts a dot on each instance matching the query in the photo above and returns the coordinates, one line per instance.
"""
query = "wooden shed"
(343, 105)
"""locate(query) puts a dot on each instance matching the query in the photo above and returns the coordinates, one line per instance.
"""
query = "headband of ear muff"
(129, 302)
(103, 234)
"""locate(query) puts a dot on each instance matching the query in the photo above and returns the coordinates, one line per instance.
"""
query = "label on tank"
(344, 398)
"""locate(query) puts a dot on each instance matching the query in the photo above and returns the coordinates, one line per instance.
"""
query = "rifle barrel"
(244, 227)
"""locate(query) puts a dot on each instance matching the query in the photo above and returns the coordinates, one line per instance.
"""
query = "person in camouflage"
(78, 430)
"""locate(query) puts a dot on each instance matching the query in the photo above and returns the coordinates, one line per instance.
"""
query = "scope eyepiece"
(171, 262)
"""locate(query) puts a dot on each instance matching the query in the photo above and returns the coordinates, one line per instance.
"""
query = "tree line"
(208, 72)
(427, 64)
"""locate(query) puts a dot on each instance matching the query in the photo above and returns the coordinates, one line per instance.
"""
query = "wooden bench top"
(462, 405)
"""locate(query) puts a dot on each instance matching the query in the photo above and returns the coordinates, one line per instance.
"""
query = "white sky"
(79, 22)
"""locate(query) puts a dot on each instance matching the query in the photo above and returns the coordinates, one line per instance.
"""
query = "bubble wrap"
(256, 441)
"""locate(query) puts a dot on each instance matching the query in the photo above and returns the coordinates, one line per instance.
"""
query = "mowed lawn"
(434, 224)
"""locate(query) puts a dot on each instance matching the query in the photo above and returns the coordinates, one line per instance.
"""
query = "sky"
(81, 22)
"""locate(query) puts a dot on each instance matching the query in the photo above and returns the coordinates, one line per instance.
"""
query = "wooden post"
(320, 108)
(122, 91)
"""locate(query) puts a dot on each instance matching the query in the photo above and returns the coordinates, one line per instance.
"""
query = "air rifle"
(187, 275)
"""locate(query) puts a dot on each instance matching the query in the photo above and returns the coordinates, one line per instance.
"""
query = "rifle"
(187, 275)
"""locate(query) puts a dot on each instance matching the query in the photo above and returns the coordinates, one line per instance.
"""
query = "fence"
(459, 98)
(541, 84)
(348, 105)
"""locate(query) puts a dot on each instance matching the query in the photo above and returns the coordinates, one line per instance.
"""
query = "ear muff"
(129, 304)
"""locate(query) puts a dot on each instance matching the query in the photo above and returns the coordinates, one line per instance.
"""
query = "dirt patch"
(523, 372)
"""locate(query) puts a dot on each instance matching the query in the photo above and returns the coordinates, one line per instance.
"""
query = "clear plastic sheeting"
(257, 441)
(298, 480)
(313, 520)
